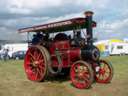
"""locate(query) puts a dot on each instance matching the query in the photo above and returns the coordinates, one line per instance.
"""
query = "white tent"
(118, 48)
(113, 47)
(14, 48)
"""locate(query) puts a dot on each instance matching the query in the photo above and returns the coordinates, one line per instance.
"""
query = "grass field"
(13, 82)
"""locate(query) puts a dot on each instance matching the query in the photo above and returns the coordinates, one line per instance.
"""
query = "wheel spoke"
(41, 66)
(36, 53)
(105, 76)
(32, 56)
(39, 56)
(41, 61)
(107, 68)
(86, 75)
(101, 76)
(38, 73)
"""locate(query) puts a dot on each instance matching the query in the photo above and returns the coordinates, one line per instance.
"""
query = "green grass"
(13, 82)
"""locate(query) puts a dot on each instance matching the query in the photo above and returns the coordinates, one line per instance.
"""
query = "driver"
(37, 38)
(79, 41)
(61, 37)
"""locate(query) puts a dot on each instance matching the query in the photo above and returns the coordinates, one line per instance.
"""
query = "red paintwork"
(34, 64)
(68, 54)
(38, 60)
(105, 72)
(77, 75)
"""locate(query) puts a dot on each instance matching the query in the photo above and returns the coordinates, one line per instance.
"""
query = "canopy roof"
(66, 25)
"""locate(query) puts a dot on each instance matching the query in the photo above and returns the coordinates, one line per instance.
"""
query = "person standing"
(6, 56)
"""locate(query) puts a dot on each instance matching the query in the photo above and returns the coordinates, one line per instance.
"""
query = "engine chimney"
(88, 19)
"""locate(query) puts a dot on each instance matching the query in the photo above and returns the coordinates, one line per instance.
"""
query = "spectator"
(6, 56)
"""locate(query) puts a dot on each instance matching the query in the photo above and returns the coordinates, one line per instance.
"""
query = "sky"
(111, 16)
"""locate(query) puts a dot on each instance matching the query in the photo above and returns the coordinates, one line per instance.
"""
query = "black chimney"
(88, 20)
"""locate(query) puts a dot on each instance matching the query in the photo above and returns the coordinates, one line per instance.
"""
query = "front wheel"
(81, 75)
(105, 73)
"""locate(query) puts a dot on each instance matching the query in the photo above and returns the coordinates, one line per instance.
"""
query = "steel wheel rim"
(105, 72)
(34, 64)
(77, 80)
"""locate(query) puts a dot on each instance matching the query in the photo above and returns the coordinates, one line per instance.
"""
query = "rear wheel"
(36, 63)
(81, 74)
(105, 73)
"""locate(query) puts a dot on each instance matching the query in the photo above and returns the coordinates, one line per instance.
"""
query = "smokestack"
(89, 15)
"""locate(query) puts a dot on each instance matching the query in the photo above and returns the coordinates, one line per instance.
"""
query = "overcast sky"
(111, 15)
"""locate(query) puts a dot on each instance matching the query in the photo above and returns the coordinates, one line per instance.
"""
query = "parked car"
(18, 55)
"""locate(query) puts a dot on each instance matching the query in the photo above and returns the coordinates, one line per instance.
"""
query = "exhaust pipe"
(88, 19)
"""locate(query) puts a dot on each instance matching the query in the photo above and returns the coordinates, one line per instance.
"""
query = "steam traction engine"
(51, 51)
